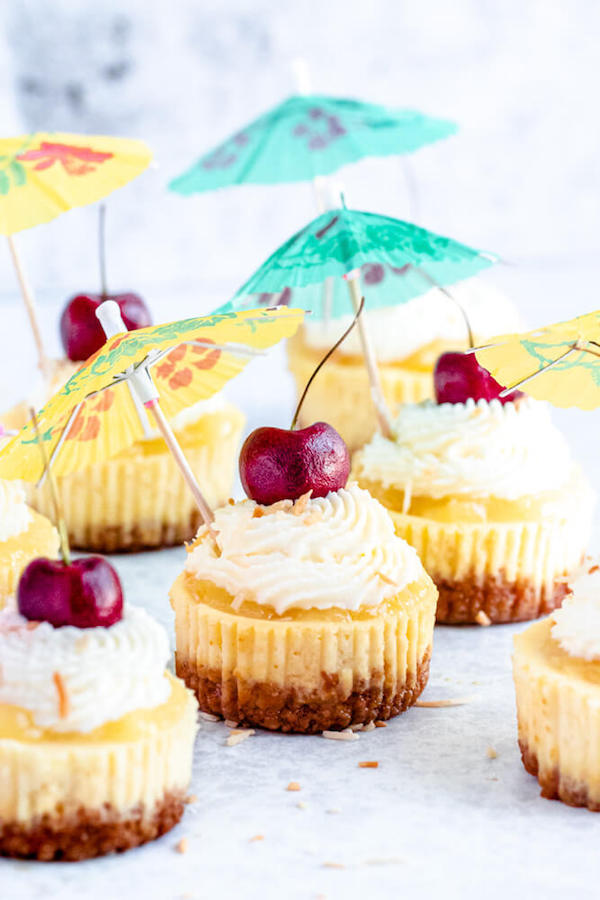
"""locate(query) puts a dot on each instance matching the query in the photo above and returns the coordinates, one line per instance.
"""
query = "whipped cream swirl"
(334, 551)
(478, 449)
(398, 332)
(77, 679)
(577, 622)
(15, 515)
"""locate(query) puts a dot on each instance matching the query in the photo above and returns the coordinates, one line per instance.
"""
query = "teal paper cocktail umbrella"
(309, 136)
(338, 243)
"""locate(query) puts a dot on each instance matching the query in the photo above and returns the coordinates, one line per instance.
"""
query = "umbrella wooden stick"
(110, 318)
(381, 409)
(302, 81)
(28, 299)
(175, 448)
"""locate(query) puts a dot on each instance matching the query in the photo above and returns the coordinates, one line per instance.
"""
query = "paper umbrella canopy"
(306, 136)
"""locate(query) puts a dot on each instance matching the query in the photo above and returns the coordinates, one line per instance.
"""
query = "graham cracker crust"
(501, 600)
(89, 832)
(556, 786)
(137, 537)
(279, 709)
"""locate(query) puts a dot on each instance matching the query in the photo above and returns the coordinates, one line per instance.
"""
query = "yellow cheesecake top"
(473, 449)
(335, 551)
(71, 679)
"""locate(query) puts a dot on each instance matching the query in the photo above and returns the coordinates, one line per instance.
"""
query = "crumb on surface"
(333, 865)
(594, 569)
(483, 619)
(491, 753)
(257, 837)
(182, 846)
(230, 723)
(340, 735)
(293, 786)
(191, 798)
(440, 704)
(368, 764)
(239, 735)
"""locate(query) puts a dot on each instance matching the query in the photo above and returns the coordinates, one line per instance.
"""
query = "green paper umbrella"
(307, 136)
(398, 261)
(338, 243)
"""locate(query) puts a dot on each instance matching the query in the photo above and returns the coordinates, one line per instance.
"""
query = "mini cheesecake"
(96, 738)
(24, 534)
(556, 664)
(137, 499)
(304, 616)
(407, 340)
(488, 495)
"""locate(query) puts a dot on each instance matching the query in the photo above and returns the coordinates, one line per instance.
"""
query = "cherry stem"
(447, 294)
(102, 249)
(65, 550)
(324, 360)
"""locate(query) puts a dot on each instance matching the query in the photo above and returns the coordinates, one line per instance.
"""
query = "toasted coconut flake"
(208, 717)
(370, 726)
(380, 724)
(368, 764)
(386, 579)
(236, 737)
(293, 786)
(64, 705)
(301, 503)
(280, 506)
(491, 753)
(182, 846)
(258, 512)
(593, 569)
(340, 735)
(257, 837)
(230, 723)
(440, 704)
(483, 619)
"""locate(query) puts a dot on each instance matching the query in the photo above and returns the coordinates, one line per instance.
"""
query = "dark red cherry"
(458, 377)
(85, 593)
(279, 464)
(82, 333)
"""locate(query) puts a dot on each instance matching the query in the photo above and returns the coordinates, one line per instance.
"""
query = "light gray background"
(522, 178)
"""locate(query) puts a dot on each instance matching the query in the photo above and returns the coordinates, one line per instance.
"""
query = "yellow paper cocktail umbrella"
(559, 363)
(43, 175)
(152, 372)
